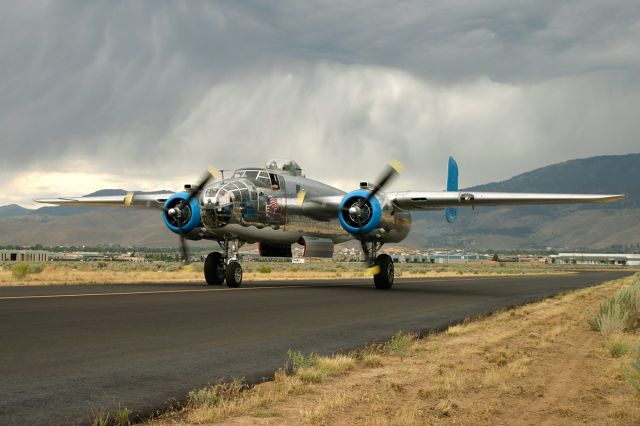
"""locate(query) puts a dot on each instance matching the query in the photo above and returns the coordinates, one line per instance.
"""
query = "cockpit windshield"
(257, 176)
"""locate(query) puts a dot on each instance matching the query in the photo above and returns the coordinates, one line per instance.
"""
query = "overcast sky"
(148, 94)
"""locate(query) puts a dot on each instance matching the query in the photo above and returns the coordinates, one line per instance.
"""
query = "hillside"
(570, 227)
(13, 210)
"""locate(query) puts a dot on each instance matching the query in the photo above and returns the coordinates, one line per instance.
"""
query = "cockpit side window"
(275, 182)
(263, 180)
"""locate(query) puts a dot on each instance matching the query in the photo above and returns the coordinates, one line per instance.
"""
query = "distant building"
(24, 256)
(445, 258)
(596, 259)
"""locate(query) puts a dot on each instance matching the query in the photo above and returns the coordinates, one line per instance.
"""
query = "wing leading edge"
(410, 200)
(130, 199)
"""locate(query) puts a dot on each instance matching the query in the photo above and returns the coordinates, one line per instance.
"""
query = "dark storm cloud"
(153, 90)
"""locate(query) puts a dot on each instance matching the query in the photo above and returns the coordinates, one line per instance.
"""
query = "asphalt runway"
(68, 351)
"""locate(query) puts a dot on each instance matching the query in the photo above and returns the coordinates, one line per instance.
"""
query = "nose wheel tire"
(214, 269)
(234, 274)
(384, 279)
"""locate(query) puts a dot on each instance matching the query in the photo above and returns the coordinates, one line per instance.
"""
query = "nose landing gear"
(219, 267)
(383, 278)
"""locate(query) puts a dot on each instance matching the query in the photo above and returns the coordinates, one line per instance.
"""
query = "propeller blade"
(184, 249)
(211, 173)
(183, 242)
(394, 168)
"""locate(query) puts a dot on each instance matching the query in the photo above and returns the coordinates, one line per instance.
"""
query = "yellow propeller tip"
(214, 172)
(374, 270)
(397, 166)
(300, 197)
(128, 199)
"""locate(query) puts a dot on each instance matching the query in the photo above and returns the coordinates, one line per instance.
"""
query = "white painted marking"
(135, 293)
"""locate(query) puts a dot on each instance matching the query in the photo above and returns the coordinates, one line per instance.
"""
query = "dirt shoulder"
(536, 364)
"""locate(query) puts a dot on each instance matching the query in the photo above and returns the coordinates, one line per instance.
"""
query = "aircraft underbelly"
(252, 234)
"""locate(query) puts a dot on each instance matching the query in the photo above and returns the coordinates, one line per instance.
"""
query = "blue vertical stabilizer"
(450, 213)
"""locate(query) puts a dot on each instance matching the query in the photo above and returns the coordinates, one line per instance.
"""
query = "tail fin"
(450, 213)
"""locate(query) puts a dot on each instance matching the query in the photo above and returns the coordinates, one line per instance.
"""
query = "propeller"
(359, 211)
(176, 211)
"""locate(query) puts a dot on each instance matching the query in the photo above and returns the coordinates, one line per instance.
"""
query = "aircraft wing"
(130, 199)
(411, 200)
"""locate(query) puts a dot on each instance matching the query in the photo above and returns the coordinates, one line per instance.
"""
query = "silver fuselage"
(263, 205)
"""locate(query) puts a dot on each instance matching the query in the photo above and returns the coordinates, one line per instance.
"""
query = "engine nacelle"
(190, 213)
(357, 216)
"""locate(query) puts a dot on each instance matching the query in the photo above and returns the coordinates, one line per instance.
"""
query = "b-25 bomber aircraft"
(277, 206)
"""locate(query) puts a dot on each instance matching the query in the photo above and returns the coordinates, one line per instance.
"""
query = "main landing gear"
(219, 267)
(383, 264)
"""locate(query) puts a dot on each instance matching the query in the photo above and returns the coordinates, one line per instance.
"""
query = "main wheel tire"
(214, 269)
(234, 274)
(384, 279)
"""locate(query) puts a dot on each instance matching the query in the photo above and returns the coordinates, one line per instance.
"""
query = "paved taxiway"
(66, 351)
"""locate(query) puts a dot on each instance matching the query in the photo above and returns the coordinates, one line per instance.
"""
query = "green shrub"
(618, 347)
(632, 372)
(122, 417)
(612, 318)
(400, 344)
(621, 312)
(264, 269)
(299, 360)
(20, 270)
(35, 268)
(294, 269)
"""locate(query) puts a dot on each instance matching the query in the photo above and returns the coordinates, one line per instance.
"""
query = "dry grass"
(535, 364)
(131, 273)
(226, 400)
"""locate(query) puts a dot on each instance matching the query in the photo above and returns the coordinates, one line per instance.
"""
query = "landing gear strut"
(383, 278)
(219, 267)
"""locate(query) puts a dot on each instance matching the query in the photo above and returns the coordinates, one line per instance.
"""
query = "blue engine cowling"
(190, 213)
(372, 212)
